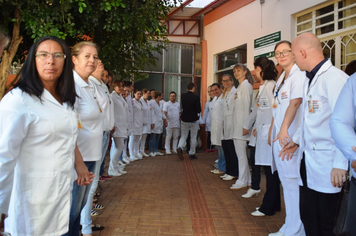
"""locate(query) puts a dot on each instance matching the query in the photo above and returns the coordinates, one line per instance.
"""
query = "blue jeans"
(221, 159)
(79, 199)
(104, 148)
(154, 141)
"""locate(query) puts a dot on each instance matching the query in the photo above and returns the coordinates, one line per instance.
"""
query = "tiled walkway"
(166, 196)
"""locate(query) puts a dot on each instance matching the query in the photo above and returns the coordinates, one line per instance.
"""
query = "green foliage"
(123, 29)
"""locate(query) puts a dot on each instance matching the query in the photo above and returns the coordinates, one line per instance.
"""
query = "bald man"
(322, 165)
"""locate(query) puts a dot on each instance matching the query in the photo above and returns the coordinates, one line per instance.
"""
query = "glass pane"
(158, 66)
(187, 59)
(348, 49)
(170, 84)
(172, 57)
(305, 17)
(154, 81)
(325, 29)
(324, 10)
(232, 57)
(198, 60)
(347, 13)
(305, 26)
(329, 49)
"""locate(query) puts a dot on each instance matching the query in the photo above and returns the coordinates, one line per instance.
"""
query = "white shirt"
(242, 99)
(291, 89)
(321, 154)
(121, 116)
(217, 119)
(37, 143)
(228, 112)
(103, 96)
(157, 117)
(146, 113)
(91, 115)
(173, 110)
(137, 123)
(263, 155)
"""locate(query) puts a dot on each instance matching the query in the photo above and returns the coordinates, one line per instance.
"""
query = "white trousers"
(185, 127)
(134, 145)
(244, 169)
(115, 153)
(293, 226)
(169, 133)
(143, 143)
(124, 152)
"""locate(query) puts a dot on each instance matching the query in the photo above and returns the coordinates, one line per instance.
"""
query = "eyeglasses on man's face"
(44, 56)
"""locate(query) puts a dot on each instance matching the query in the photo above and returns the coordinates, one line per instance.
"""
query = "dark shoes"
(180, 153)
(193, 157)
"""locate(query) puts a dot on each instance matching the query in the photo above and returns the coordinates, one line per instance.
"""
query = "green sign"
(264, 46)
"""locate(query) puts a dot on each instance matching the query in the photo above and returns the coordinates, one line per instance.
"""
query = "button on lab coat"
(321, 154)
(37, 143)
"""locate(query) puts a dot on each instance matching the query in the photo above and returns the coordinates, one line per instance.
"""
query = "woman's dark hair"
(269, 71)
(157, 94)
(137, 90)
(144, 90)
(31, 83)
(282, 42)
(351, 68)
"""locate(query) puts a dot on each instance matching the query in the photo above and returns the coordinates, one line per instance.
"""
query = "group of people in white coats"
(289, 128)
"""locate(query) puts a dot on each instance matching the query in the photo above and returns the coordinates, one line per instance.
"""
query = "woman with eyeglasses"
(85, 60)
(266, 71)
(287, 117)
(227, 143)
(39, 159)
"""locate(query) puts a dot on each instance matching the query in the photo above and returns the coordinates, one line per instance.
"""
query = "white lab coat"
(121, 116)
(137, 123)
(206, 119)
(90, 137)
(248, 125)
(263, 155)
(228, 101)
(217, 119)
(321, 154)
(37, 145)
(291, 89)
(242, 106)
(146, 113)
(103, 96)
(157, 117)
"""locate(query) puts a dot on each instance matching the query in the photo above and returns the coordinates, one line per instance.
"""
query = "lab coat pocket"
(42, 188)
(262, 132)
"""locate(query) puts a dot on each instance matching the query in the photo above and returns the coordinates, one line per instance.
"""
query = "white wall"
(244, 26)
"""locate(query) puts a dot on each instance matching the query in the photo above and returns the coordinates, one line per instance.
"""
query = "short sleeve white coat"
(291, 89)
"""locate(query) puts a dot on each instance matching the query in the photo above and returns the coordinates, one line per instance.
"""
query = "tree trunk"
(10, 53)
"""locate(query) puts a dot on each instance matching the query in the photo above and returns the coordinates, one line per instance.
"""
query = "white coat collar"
(79, 81)
(322, 69)
(48, 96)
(95, 81)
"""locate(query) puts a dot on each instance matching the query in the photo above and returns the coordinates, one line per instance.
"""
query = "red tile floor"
(163, 195)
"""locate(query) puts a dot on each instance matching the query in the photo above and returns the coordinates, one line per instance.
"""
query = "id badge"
(310, 104)
(258, 102)
(274, 103)
(79, 121)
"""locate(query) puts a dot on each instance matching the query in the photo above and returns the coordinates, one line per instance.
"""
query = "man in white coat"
(171, 110)
(322, 165)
